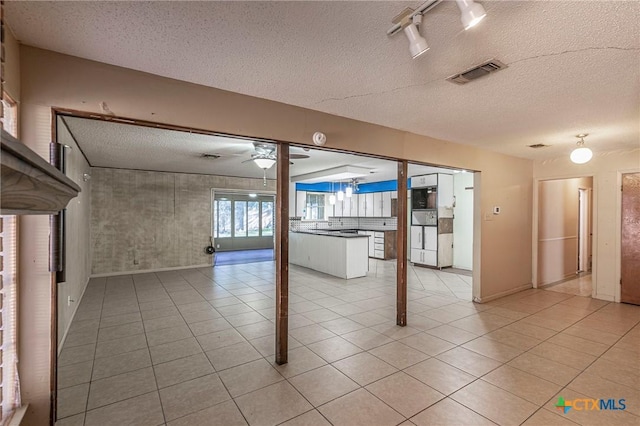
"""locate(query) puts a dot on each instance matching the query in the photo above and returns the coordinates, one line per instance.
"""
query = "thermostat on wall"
(496, 209)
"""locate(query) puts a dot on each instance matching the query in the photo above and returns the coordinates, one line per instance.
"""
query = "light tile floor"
(580, 286)
(195, 347)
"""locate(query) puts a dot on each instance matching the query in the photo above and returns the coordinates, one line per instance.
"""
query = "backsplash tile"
(387, 223)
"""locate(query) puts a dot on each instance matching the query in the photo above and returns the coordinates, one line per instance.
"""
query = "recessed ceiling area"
(573, 67)
(128, 146)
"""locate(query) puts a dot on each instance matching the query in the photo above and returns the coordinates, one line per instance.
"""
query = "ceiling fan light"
(471, 13)
(264, 163)
(349, 191)
(581, 155)
(417, 44)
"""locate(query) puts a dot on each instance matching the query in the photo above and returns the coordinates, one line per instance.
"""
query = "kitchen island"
(341, 254)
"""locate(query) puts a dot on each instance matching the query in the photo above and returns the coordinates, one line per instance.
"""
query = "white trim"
(18, 415)
(503, 294)
(476, 269)
(66, 331)
(606, 297)
(146, 271)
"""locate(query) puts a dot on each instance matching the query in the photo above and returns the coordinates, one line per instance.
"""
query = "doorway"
(565, 235)
(630, 239)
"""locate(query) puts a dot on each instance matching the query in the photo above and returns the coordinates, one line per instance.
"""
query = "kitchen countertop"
(335, 233)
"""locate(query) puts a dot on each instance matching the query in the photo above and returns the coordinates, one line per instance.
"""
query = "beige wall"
(144, 220)
(606, 169)
(78, 236)
(504, 264)
(558, 213)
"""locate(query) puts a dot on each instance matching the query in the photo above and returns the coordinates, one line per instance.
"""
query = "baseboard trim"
(503, 293)
(73, 315)
(605, 297)
(147, 271)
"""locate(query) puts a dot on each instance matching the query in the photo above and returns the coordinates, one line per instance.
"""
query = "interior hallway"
(580, 286)
(195, 347)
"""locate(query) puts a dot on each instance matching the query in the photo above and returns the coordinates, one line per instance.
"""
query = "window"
(240, 216)
(9, 115)
(315, 207)
(267, 218)
(223, 216)
(9, 384)
(253, 218)
(8, 289)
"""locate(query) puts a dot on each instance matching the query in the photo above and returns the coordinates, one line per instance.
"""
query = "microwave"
(424, 198)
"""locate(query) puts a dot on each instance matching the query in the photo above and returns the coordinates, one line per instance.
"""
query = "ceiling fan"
(265, 157)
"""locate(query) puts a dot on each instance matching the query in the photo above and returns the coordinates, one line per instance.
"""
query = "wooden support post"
(282, 255)
(401, 278)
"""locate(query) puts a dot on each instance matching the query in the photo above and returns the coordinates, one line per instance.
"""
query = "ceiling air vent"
(538, 145)
(478, 71)
(210, 156)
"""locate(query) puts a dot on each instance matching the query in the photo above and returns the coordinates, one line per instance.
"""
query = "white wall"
(606, 169)
(463, 221)
(78, 235)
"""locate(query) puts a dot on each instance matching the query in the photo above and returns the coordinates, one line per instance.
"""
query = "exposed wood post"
(282, 255)
(401, 276)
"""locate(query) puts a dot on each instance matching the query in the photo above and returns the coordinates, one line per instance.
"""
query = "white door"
(431, 238)
(368, 205)
(416, 238)
(463, 221)
(386, 204)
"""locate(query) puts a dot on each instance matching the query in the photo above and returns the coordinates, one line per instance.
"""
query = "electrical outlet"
(217, 245)
(69, 300)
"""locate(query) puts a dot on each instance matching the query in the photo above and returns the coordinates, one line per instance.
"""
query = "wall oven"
(424, 198)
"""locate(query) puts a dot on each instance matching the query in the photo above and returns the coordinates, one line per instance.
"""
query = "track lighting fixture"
(417, 44)
(581, 154)
(409, 21)
(470, 13)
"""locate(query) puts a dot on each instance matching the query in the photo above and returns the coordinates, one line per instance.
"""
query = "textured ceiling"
(573, 66)
(126, 146)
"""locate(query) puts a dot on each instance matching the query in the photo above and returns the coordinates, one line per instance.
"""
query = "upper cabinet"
(370, 204)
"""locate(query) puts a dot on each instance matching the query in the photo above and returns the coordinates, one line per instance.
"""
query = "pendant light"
(349, 191)
(581, 154)
(340, 192)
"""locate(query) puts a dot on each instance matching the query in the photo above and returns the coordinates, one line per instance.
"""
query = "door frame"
(594, 230)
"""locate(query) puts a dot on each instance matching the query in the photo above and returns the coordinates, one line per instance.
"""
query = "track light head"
(417, 44)
(470, 13)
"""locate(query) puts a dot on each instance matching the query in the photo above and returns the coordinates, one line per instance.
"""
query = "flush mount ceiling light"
(470, 13)
(409, 20)
(581, 154)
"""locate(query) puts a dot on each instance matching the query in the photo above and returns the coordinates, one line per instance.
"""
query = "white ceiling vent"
(538, 146)
(477, 71)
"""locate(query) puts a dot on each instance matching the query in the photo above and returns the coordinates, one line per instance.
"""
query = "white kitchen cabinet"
(394, 195)
(368, 205)
(424, 180)
(301, 203)
(377, 204)
(338, 208)
(431, 238)
(416, 238)
(386, 204)
(372, 243)
(348, 208)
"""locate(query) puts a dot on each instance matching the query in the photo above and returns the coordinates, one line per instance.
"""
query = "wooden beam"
(282, 254)
(401, 277)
